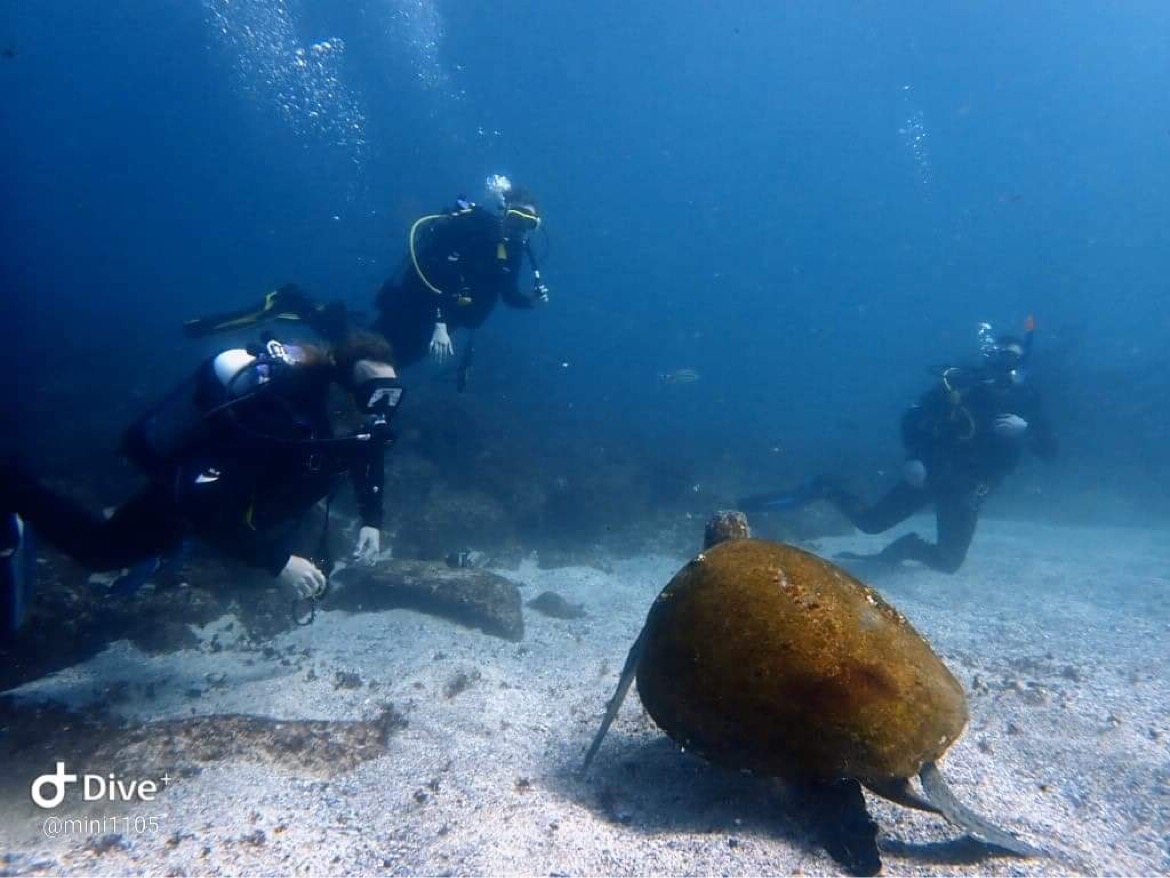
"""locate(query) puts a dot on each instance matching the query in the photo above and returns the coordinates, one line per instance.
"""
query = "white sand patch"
(1059, 634)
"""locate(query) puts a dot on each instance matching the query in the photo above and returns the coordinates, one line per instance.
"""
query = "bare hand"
(1010, 426)
(441, 347)
(303, 577)
(369, 544)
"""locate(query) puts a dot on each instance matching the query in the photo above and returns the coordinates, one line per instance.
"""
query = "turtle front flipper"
(628, 673)
(836, 813)
(939, 795)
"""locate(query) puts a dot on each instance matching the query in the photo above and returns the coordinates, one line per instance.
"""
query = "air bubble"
(273, 66)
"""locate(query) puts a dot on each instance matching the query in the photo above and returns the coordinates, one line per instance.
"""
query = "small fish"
(679, 376)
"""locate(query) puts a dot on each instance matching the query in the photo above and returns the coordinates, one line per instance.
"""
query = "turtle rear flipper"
(939, 795)
(899, 791)
(628, 673)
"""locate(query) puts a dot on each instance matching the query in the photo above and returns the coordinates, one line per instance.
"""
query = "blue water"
(808, 204)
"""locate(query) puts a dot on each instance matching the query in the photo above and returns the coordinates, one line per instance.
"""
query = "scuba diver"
(459, 264)
(962, 438)
(235, 455)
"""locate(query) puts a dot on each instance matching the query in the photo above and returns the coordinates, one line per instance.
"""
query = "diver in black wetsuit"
(962, 438)
(459, 265)
(236, 456)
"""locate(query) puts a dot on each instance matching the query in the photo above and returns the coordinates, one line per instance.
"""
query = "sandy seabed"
(1060, 635)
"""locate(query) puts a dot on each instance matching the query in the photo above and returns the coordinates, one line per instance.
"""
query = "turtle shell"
(763, 657)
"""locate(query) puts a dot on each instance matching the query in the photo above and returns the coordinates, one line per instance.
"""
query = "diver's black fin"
(129, 583)
(18, 569)
(794, 498)
(288, 303)
(940, 796)
(867, 558)
(463, 373)
(771, 500)
(285, 303)
(628, 673)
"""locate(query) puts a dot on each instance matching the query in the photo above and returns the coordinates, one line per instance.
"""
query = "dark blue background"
(727, 188)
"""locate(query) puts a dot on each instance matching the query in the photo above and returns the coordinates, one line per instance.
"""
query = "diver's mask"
(1006, 362)
(521, 219)
(1005, 356)
(518, 218)
(378, 398)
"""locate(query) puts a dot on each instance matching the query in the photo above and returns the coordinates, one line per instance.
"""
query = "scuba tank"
(182, 422)
(171, 429)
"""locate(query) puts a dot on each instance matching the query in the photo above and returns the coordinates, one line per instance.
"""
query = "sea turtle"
(760, 656)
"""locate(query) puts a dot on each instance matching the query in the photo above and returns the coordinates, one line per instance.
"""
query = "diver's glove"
(303, 577)
(441, 346)
(1010, 426)
(369, 544)
(914, 473)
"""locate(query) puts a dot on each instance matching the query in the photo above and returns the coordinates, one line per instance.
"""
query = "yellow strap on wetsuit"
(525, 216)
(958, 410)
(953, 394)
(414, 255)
(414, 234)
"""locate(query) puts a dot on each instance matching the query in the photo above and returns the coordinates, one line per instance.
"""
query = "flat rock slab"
(552, 604)
(475, 598)
(38, 734)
